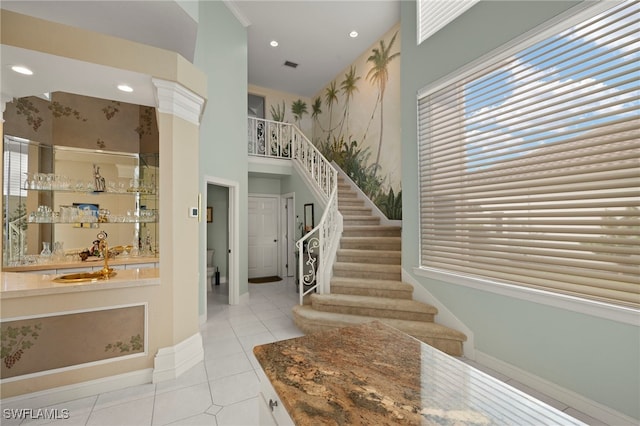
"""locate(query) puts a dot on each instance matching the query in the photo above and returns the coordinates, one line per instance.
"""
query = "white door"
(263, 236)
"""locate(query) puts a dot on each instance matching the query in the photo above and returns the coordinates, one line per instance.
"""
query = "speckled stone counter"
(373, 374)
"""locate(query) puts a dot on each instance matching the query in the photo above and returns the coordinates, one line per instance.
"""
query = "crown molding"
(173, 98)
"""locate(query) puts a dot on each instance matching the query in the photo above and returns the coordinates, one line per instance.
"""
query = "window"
(435, 14)
(15, 168)
(530, 164)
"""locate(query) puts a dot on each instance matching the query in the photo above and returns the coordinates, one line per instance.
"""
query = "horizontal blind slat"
(530, 166)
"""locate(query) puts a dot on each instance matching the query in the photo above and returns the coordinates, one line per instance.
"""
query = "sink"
(82, 277)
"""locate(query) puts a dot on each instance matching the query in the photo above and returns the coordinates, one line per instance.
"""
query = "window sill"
(570, 303)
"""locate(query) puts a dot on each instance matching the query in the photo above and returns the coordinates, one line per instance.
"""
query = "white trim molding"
(445, 316)
(570, 303)
(559, 393)
(173, 98)
(74, 391)
(172, 361)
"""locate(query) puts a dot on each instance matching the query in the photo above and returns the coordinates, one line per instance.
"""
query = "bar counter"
(373, 374)
(20, 284)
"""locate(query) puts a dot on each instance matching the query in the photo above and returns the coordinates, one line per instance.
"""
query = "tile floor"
(223, 389)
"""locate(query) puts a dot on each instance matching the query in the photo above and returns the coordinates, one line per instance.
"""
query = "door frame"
(287, 231)
(278, 232)
(233, 273)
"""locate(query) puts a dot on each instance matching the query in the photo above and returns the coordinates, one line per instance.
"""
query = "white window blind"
(435, 14)
(15, 168)
(530, 166)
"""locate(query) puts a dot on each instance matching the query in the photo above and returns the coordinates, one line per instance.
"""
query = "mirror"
(75, 165)
(57, 197)
(309, 221)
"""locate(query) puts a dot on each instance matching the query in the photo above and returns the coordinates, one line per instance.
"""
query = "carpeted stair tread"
(371, 287)
(369, 256)
(380, 303)
(371, 243)
(366, 267)
(367, 270)
(443, 338)
(355, 211)
(371, 231)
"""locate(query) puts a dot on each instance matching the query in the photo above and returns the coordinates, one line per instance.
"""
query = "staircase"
(367, 285)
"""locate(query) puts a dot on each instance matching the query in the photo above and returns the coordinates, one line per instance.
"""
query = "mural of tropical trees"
(348, 87)
(277, 113)
(355, 156)
(330, 97)
(379, 76)
(298, 109)
(316, 110)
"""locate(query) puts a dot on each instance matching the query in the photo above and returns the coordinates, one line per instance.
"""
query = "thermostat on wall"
(193, 212)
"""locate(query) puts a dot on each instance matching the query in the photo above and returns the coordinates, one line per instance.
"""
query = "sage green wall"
(221, 53)
(594, 357)
(264, 185)
(294, 183)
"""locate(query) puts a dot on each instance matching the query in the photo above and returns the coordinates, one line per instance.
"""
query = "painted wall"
(294, 183)
(221, 53)
(593, 357)
(280, 102)
(359, 125)
(264, 185)
(172, 315)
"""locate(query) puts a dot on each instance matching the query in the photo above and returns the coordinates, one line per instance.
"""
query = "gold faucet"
(103, 247)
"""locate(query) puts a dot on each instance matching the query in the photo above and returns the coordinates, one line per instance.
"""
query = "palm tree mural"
(330, 96)
(348, 87)
(379, 75)
(277, 113)
(316, 110)
(298, 109)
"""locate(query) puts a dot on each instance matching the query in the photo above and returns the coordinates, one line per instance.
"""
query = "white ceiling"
(311, 33)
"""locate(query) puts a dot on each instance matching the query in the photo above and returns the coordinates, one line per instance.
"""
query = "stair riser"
(371, 232)
(370, 245)
(356, 291)
(355, 202)
(373, 312)
(370, 221)
(346, 195)
(374, 275)
(355, 210)
(370, 259)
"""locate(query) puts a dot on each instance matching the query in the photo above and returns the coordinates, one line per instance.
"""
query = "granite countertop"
(373, 374)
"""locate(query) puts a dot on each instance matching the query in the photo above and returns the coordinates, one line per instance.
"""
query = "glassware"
(45, 254)
(58, 251)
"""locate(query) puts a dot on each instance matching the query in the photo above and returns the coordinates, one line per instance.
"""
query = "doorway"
(222, 234)
(289, 235)
(263, 233)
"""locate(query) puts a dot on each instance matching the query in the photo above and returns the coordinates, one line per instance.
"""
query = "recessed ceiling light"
(274, 43)
(22, 70)
(125, 88)
(353, 34)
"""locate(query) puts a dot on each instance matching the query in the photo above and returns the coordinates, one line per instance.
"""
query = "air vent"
(290, 64)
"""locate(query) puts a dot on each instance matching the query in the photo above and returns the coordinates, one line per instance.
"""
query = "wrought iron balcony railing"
(318, 247)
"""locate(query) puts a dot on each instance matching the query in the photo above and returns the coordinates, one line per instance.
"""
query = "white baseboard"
(445, 316)
(570, 398)
(244, 298)
(172, 361)
(66, 393)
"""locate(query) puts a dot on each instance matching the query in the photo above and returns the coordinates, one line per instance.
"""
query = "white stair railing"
(317, 248)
